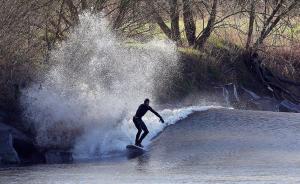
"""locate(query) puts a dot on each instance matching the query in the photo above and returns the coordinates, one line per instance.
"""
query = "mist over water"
(93, 88)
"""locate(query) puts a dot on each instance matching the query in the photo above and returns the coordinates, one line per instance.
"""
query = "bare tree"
(159, 20)
(174, 15)
(172, 33)
(84, 5)
(189, 23)
(271, 21)
(73, 11)
(201, 39)
(251, 23)
(122, 9)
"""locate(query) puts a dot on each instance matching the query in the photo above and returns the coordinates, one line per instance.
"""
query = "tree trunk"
(121, 13)
(174, 15)
(73, 11)
(189, 24)
(58, 26)
(251, 23)
(99, 5)
(200, 42)
(278, 18)
(267, 22)
(84, 5)
(159, 20)
(163, 26)
(270, 24)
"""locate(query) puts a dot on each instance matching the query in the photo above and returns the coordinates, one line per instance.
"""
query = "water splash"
(116, 139)
(94, 84)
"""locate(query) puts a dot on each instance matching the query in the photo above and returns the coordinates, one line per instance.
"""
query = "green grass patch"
(190, 52)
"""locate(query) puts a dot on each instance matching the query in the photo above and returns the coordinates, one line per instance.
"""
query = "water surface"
(214, 146)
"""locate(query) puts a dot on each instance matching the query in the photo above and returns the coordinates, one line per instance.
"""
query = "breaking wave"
(95, 82)
(94, 85)
(115, 140)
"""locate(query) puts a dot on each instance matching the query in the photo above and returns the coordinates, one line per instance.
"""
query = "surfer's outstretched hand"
(162, 120)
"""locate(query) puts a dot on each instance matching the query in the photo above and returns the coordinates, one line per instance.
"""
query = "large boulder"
(287, 106)
(8, 153)
(16, 147)
(267, 104)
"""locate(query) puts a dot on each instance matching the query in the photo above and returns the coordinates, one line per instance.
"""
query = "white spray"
(93, 88)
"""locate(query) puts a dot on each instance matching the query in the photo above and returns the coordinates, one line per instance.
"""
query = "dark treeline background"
(30, 29)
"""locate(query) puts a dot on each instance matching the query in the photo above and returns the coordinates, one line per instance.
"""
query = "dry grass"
(285, 62)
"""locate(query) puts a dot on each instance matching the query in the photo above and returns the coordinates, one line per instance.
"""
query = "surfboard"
(134, 147)
(134, 151)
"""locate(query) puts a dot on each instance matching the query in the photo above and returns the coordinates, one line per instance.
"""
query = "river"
(210, 146)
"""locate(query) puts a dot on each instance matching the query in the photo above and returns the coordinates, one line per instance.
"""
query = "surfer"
(139, 123)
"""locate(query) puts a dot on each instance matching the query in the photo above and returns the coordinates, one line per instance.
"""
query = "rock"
(230, 94)
(242, 98)
(287, 106)
(18, 145)
(58, 157)
(260, 103)
(267, 104)
(247, 94)
(3, 115)
(15, 133)
(7, 152)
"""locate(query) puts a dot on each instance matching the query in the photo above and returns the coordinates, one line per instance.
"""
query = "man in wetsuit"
(139, 123)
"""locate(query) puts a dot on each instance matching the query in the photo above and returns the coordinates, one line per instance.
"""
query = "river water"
(211, 146)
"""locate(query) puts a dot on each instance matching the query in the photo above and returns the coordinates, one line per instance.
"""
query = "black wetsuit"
(139, 123)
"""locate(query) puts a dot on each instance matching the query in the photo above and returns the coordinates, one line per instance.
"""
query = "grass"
(236, 35)
(223, 45)
(195, 53)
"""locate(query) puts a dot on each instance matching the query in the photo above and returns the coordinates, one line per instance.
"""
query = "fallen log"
(272, 82)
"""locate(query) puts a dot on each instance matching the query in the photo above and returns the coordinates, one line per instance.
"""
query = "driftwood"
(272, 82)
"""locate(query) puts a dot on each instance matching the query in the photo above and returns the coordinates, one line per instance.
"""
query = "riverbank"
(218, 75)
(232, 73)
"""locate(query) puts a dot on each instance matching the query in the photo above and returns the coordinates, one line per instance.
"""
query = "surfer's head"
(146, 101)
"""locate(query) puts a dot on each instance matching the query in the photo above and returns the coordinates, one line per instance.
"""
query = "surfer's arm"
(156, 113)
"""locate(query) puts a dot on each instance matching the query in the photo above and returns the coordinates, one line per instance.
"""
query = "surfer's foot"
(140, 145)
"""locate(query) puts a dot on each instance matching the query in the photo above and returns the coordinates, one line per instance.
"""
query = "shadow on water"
(134, 153)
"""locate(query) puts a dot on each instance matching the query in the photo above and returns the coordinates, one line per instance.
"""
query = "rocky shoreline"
(242, 98)
(16, 148)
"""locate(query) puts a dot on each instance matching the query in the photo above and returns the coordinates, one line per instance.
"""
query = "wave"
(96, 144)
(93, 83)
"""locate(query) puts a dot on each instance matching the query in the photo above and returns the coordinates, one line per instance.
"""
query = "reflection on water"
(217, 146)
